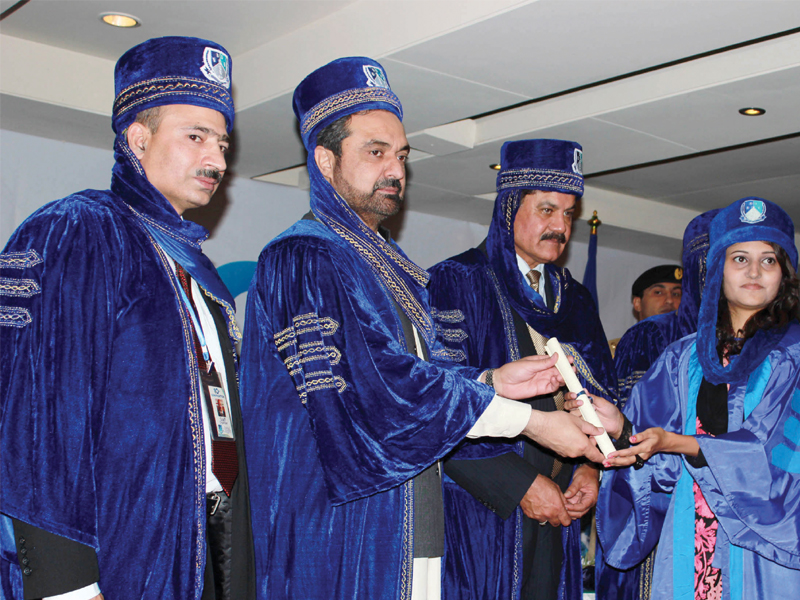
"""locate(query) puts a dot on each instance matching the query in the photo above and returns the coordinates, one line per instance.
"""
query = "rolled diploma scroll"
(573, 385)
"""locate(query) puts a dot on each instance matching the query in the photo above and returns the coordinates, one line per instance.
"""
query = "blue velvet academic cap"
(340, 88)
(172, 70)
(548, 165)
(747, 220)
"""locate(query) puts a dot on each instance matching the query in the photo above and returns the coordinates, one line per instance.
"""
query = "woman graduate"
(716, 423)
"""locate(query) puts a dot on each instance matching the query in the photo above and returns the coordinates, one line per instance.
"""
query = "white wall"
(246, 214)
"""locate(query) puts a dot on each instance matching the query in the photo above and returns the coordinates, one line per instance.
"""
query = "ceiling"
(650, 88)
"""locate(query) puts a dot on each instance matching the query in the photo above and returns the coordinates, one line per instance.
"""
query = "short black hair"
(333, 135)
(150, 118)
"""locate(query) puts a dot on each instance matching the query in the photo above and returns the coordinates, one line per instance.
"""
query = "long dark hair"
(784, 308)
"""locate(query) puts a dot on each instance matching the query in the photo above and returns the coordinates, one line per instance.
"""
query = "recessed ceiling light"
(120, 20)
(752, 111)
(495, 166)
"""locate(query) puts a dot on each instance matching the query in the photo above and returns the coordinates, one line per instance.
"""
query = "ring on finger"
(639, 463)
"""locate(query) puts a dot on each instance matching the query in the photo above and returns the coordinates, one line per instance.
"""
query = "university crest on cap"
(753, 211)
(216, 66)
(577, 161)
(375, 77)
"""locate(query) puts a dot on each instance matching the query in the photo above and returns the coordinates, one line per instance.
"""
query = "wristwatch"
(490, 378)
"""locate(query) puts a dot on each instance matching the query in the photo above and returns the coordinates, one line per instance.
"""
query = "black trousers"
(542, 564)
(542, 548)
(219, 548)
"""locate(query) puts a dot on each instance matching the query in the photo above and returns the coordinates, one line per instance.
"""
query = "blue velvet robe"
(483, 557)
(101, 428)
(339, 417)
(751, 483)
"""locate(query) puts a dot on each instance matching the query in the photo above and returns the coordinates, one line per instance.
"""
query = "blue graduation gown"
(483, 557)
(638, 349)
(751, 482)
(339, 417)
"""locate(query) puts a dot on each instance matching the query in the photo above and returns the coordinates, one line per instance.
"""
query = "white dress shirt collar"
(524, 268)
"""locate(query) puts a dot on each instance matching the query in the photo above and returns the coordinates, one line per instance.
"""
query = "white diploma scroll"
(573, 385)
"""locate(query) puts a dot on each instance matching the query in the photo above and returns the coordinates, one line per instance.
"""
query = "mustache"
(210, 174)
(387, 183)
(554, 235)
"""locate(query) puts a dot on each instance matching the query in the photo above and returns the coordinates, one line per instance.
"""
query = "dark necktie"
(224, 461)
(539, 343)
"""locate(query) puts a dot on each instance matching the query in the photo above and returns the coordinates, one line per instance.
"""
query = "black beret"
(659, 274)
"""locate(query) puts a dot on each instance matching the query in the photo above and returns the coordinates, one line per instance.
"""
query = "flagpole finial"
(594, 223)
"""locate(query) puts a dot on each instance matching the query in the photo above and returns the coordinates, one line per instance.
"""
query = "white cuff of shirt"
(86, 593)
(502, 418)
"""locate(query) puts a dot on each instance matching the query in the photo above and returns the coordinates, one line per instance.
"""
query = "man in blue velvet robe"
(111, 322)
(349, 404)
(513, 510)
(637, 350)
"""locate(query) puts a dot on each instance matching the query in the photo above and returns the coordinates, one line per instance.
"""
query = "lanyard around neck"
(196, 323)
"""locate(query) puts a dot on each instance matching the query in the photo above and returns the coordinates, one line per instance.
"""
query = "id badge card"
(219, 409)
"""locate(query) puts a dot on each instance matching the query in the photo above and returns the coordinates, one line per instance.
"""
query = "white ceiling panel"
(239, 25)
(465, 173)
(607, 146)
(431, 99)
(709, 119)
(781, 190)
(691, 183)
(555, 45)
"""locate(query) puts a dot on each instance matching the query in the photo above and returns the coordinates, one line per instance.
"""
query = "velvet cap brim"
(547, 165)
(342, 87)
(172, 70)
